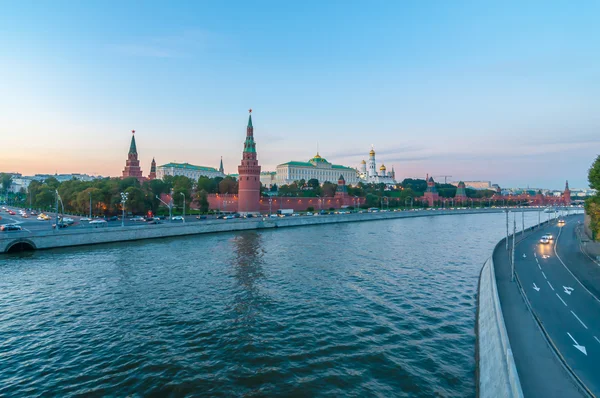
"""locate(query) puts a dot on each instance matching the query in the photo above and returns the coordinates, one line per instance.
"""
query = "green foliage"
(6, 180)
(310, 209)
(594, 175)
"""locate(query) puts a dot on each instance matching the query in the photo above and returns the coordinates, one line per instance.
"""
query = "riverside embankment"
(38, 240)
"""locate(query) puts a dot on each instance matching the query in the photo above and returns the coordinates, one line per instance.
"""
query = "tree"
(228, 186)
(6, 180)
(313, 183)
(203, 196)
(328, 188)
(594, 175)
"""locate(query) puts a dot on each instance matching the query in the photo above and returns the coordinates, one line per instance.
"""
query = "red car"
(12, 213)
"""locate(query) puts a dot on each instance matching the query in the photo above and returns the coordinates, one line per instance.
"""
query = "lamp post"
(56, 191)
(270, 203)
(90, 204)
(182, 194)
(169, 205)
(124, 196)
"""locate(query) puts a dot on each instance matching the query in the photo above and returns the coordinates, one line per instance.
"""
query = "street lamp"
(182, 194)
(270, 202)
(169, 205)
(124, 196)
(90, 204)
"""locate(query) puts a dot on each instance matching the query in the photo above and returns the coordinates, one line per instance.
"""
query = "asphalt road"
(568, 311)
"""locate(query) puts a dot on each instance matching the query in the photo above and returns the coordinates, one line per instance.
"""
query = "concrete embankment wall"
(497, 372)
(89, 236)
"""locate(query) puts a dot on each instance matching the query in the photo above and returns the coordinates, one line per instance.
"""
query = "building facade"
(249, 174)
(316, 168)
(188, 170)
(368, 173)
(268, 178)
(475, 184)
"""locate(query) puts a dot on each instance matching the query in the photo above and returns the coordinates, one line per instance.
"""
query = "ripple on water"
(371, 309)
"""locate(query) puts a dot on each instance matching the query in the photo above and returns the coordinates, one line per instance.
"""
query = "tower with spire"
(431, 195)
(249, 174)
(132, 164)
(221, 169)
(152, 175)
(567, 194)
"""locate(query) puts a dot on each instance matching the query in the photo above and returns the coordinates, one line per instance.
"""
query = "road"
(568, 311)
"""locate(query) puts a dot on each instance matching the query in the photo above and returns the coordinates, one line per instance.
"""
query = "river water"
(382, 308)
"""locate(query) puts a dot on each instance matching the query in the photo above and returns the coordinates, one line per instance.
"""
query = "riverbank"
(64, 238)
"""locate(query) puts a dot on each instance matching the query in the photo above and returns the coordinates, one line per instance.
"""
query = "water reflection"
(249, 299)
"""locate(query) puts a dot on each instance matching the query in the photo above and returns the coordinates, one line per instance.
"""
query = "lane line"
(550, 285)
(544, 275)
(579, 319)
(539, 266)
(563, 301)
(597, 339)
(567, 268)
(535, 255)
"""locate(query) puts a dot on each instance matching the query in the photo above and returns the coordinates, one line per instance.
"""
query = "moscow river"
(382, 308)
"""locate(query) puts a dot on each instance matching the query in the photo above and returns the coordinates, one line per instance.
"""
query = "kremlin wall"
(248, 199)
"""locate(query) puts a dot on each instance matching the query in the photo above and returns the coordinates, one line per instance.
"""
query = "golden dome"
(317, 156)
(363, 162)
(372, 153)
(382, 168)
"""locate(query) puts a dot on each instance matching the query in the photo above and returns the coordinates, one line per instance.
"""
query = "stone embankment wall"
(90, 236)
(497, 372)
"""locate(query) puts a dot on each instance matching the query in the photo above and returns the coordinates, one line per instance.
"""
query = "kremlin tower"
(152, 175)
(461, 192)
(132, 165)
(249, 175)
(431, 195)
(567, 194)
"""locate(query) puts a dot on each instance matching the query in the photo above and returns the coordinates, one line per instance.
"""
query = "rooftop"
(188, 166)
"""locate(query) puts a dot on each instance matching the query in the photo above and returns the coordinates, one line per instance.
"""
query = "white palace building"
(368, 172)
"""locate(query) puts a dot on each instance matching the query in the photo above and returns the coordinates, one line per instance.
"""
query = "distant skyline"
(507, 92)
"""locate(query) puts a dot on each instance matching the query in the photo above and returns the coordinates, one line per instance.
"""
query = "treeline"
(592, 204)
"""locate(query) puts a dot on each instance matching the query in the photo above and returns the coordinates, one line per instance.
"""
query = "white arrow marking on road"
(524, 255)
(576, 345)
(568, 290)
(537, 289)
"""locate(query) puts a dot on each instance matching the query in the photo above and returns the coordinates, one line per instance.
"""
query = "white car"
(561, 222)
(98, 222)
(85, 219)
(177, 218)
(137, 219)
(549, 236)
(544, 240)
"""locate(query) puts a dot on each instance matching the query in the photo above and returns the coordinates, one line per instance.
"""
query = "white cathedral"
(367, 172)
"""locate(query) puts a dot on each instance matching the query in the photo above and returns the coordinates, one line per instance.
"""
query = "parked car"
(10, 227)
(177, 218)
(99, 222)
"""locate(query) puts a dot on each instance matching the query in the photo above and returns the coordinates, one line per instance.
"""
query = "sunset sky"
(508, 92)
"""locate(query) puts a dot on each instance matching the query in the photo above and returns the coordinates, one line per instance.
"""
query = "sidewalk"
(540, 371)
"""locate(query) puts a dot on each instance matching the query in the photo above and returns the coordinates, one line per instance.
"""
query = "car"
(43, 217)
(33, 213)
(153, 220)
(67, 220)
(201, 217)
(85, 219)
(98, 222)
(24, 215)
(544, 240)
(113, 218)
(561, 222)
(12, 213)
(177, 218)
(10, 227)
(549, 236)
(60, 225)
(138, 218)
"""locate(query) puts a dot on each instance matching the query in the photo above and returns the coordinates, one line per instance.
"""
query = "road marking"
(597, 339)
(568, 290)
(537, 289)
(535, 255)
(579, 319)
(576, 345)
(544, 275)
(563, 301)
(550, 285)
(567, 268)
(539, 266)
(524, 256)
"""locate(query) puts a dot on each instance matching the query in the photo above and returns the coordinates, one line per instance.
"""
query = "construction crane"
(445, 178)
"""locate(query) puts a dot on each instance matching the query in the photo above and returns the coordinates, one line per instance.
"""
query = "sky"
(505, 91)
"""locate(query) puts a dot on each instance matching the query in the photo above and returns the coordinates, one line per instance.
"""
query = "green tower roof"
(132, 147)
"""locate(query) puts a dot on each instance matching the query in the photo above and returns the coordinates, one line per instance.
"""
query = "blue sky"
(507, 92)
